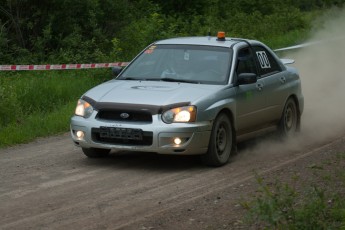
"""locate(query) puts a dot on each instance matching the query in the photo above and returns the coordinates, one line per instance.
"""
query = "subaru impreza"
(188, 96)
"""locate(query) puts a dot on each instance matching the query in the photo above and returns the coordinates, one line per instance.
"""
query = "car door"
(250, 99)
(275, 83)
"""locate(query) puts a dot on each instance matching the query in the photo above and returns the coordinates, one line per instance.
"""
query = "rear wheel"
(289, 123)
(221, 142)
(96, 153)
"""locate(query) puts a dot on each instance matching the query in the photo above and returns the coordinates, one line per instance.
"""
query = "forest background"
(40, 103)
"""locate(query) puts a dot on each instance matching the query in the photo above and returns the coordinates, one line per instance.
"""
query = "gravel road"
(50, 184)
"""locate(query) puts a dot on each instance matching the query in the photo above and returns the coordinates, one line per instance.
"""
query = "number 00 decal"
(263, 59)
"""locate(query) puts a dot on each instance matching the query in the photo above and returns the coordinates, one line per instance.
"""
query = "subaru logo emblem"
(124, 115)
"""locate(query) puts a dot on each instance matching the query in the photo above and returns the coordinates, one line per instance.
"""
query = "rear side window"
(267, 64)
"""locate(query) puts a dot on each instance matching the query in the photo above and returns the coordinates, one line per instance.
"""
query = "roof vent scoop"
(221, 36)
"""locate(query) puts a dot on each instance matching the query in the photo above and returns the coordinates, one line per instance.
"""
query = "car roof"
(206, 41)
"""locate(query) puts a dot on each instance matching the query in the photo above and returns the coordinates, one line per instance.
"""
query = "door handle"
(259, 86)
(282, 80)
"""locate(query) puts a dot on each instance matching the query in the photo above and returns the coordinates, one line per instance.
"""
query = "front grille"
(144, 140)
(120, 115)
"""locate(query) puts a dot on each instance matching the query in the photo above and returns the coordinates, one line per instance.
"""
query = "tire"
(290, 120)
(96, 153)
(221, 144)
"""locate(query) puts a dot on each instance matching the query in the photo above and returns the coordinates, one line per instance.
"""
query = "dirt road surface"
(50, 184)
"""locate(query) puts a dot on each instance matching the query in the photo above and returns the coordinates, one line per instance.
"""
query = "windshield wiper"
(179, 80)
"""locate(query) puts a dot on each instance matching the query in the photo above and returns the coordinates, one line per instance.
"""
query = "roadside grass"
(315, 203)
(37, 125)
(40, 103)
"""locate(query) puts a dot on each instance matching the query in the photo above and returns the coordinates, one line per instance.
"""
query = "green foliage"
(32, 99)
(63, 31)
(274, 206)
(8, 101)
(75, 31)
(37, 125)
(287, 206)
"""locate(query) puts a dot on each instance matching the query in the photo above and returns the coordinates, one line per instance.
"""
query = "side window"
(266, 62)
(245, 62)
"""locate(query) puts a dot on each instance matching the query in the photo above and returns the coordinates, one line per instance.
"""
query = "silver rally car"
(193, 95)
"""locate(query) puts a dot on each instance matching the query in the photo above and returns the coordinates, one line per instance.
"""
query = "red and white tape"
(61, 67)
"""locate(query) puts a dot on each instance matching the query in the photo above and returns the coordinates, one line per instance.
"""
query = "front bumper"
(159, 136)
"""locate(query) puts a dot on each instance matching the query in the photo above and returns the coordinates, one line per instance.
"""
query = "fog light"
(177, 141)
(80, 134)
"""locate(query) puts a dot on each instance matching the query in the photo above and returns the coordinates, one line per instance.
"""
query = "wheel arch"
(230, 115)
(212, 157)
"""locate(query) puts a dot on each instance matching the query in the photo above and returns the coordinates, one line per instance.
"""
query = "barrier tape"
(61, 67)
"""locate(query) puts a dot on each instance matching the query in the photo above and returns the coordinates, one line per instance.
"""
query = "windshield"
(181, 63)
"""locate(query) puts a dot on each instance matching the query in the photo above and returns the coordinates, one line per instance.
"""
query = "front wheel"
(289, 122)
(95, 153)
(222, 142)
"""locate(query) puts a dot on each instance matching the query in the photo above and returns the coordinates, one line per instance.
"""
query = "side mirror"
(246, 78)
(116, 70)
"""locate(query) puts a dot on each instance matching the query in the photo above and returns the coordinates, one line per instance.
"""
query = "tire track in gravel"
(60, 188)
(240, 178)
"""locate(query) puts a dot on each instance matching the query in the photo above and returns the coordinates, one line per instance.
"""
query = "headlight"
(84, 109)
(180, 114)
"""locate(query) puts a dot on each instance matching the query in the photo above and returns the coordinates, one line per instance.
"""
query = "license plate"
(121, 133)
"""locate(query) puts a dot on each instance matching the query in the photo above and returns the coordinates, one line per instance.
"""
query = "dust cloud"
(322, 71)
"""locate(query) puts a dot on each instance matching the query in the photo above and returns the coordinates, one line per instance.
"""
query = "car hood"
(149, 92)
